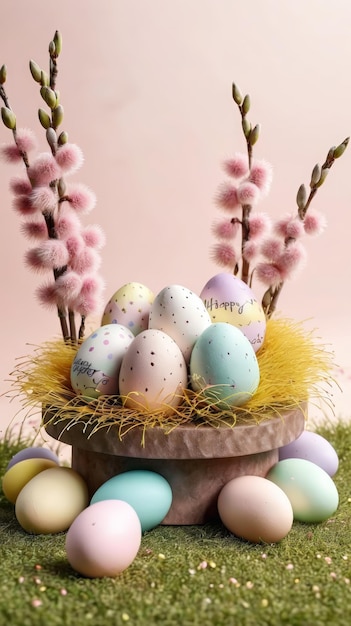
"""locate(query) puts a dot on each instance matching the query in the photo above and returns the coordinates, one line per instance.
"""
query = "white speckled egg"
(153, 373)
(96, 366)
(181, 314)
(228, 299)
(223, 365)
(129, 306)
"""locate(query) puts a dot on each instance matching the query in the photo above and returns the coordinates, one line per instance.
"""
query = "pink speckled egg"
(129, 306)
(228, 299)
(181, 314)
(96, 366)
(153, 373)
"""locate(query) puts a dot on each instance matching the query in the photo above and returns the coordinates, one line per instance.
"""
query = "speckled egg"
(129, 306)
(181, 314)
(223, 365)
(153, 373)
(96, 366)
(228, 299)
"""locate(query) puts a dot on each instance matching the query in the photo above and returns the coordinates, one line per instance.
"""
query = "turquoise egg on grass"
(312, 493)
(147, 492)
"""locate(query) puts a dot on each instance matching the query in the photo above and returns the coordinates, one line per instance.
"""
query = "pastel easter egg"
(21, 473)
(129, 306)
(181, 314)
(314, 448)
(147, 492)
(51, 500)
(255, 509)
(223, 365)
(153, 373)
(33, 452)
(311, 491)
(96, 366)
(228, 299)
(104, 539)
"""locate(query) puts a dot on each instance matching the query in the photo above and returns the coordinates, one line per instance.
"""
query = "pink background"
(146, 87)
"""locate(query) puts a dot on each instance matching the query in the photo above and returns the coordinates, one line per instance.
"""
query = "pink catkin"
(81, 198)
(47, 294)
(75, 245)
(294, 228)
(35, 229)
(261, 175)
(52, 254)
(258, 224)
(90, 298)
(268, 274)
(20, 186)
(314, 222)
(86, 261)
(226, 229)
(227, 197)
(224, 255)
(248, 193)
(68, 287)
(251, 250)
(94, 237)
(67, 223)
(43, 199)
(69, 157)
(280, 226)
(44, 169)
(237, 166)
(293, 255)
(272, 248)
(26, 140)
(22, 205)
(10, 153)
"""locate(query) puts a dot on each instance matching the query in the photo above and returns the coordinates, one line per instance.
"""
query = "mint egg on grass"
(311, 491)
(224, 366)
(147, 492)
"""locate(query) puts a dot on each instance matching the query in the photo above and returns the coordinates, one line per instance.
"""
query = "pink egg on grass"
(104, 539)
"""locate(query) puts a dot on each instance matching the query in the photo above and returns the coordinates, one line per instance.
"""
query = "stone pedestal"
(197, 461)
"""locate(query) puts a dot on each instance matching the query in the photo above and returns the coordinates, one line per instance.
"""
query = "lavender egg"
(312, 447)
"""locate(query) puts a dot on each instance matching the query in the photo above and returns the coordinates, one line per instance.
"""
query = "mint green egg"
(312, 493)
(147, 492)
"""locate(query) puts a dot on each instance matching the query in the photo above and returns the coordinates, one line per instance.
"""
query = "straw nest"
(294, 369)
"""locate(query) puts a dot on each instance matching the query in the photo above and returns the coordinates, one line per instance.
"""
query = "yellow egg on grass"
(51, 501)
(21, 473)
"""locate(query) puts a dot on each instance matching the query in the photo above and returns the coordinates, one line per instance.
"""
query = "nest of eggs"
(294, 369)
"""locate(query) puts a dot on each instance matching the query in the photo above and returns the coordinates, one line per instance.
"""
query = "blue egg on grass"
(147, 492)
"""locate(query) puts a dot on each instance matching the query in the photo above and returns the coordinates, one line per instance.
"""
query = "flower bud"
(48, 96)
(8, 117)
(57, 116)
(35, 71)
(301, 197)
(237, 95)
(245, 107)
(51, 137)
(246, 126)
(61, 187)
(44, 118)
(316, 174)
(3, 74)
(341, 148)
(323, 176)
(44, 80)
(58, 42)
(254, 134)
(52, 49)
(63, 138)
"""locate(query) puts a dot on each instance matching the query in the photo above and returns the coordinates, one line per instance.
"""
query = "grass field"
(190, 575)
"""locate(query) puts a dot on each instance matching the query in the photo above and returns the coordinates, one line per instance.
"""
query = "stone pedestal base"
(196, 461)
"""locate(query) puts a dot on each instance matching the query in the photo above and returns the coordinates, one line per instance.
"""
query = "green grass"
(304, 580)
